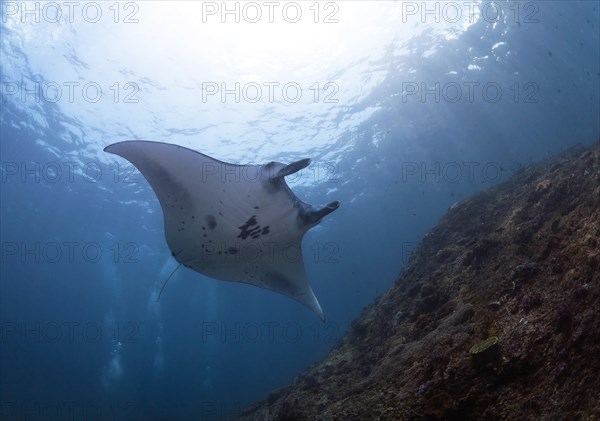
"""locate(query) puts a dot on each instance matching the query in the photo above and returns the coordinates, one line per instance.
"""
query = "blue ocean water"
(404, 108)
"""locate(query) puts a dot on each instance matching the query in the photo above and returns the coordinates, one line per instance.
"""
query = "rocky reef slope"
(496, 316)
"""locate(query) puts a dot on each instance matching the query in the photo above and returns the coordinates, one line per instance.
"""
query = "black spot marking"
(252, 229)
(256, 207)
(249, 228)
(205, 235)
(211, 221)
(221, 213)
(203, 228)
(183, 222)
(193, 217)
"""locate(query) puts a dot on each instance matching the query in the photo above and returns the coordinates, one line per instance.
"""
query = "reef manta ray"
(230, 222)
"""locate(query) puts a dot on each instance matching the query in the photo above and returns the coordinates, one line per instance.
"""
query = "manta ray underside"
(230, 222)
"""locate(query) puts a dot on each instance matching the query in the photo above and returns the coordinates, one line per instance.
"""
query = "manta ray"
(230, 222)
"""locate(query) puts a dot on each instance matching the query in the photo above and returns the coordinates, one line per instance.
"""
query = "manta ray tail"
(165, 284)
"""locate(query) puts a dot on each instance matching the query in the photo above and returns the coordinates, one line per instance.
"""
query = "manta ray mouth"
(311, 215)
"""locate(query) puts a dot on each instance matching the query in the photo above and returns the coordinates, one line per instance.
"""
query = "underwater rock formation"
(496, 315)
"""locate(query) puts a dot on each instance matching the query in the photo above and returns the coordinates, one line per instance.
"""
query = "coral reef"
(496, 315)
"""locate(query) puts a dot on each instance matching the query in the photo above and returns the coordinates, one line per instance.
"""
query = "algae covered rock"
(495, 316)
